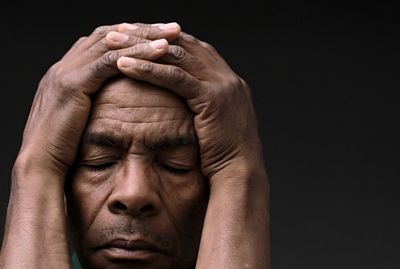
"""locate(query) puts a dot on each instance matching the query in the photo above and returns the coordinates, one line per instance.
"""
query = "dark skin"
(235, 229)
(137, 180)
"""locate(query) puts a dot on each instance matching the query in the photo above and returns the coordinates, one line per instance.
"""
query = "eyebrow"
(102, 139)
(172, 142)
(107, 140)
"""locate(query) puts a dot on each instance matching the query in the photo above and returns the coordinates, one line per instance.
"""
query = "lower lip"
(131, 254)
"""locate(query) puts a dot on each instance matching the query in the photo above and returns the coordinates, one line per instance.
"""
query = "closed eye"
(174, 170)
(99, 167)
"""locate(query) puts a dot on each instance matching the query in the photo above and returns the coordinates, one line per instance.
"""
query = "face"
(137, 197)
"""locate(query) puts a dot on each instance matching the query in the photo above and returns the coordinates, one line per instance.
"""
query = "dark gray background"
(325, 77)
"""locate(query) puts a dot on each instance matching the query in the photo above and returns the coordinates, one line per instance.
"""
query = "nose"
(135, 191)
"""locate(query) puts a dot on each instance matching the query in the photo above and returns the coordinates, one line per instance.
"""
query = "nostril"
(120, 206)
(147, 208)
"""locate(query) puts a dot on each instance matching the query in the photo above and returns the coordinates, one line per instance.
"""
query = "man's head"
(137, 197)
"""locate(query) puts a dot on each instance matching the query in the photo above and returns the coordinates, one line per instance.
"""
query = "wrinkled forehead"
(133, 110)
(126, 92)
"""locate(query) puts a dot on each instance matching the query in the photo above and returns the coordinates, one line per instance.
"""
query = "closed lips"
(133, 245)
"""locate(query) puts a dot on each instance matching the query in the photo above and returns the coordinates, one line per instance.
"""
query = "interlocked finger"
(131, 34)
(178, 56)
(167, 76)
(83, 44)
(106, 66)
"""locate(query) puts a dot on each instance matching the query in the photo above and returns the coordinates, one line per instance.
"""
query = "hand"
(235, 230)
(62, 103)
(225, 121)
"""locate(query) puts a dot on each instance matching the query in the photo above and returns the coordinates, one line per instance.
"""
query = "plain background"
(325, 76)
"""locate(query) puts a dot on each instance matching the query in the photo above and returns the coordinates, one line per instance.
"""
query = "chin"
(123, 259)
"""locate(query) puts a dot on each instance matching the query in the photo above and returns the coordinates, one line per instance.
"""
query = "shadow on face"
(136, 196)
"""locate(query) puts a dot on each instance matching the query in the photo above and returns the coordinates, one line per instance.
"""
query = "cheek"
(187, 204)
(84, 200)
(187, 194)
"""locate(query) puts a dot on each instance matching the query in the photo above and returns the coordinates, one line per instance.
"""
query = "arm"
(35, 235)
(236, 228)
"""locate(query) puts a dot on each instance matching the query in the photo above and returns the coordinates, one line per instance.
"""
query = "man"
(145, 141)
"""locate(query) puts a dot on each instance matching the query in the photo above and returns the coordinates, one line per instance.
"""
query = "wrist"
(31, 170)
(36, 219)
(238, 215)
(246, 171)
(35, 182)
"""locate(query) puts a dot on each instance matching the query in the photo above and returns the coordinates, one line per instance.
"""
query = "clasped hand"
(160, 54)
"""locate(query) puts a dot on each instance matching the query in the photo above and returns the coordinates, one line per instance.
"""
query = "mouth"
(132, 250)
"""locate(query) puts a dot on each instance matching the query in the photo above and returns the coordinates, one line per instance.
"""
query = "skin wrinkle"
(134, 115)
(136, 122)
(122, 96)
(182, 129)
(128, 206)
(103, 185)
(138, 107)
(106, 197)
(182, 199)
(101, 144)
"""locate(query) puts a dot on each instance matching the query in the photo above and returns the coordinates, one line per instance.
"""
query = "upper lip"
(132, 245)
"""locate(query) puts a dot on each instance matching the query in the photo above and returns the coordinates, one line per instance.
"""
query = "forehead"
(129, 109)
(126, 92)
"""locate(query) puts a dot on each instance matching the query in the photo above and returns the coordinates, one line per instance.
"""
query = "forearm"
(35, 234)
(236, 228)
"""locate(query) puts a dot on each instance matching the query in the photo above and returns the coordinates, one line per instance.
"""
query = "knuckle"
(101, 30)
(208, 46)
(235, 88)
(55, 75)
(109, 59)
(102, 45)
(134, 40)
(189, 38)
(79, 41)
(146, 67)
(178, 53)
(178, 75)
(243, 82)
(62, 82)
(64, 85)
(146, 32)
(245, 86)
(137, 50)
(235, 81)
(232, 82)
(54, 70)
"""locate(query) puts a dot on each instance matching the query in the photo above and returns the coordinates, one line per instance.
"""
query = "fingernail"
(157, 24)
(117, 37)
(158, 44)
(126, 62)
(170, 26)
(127, 27)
